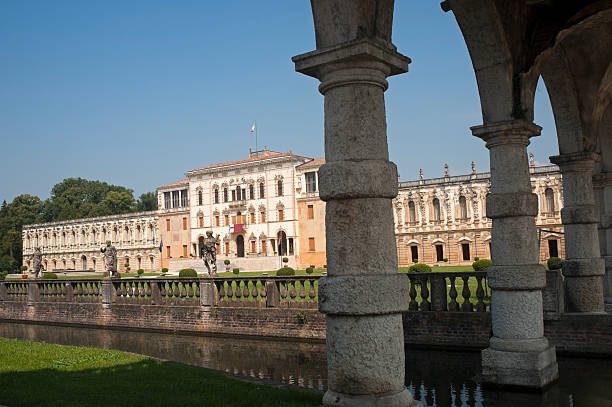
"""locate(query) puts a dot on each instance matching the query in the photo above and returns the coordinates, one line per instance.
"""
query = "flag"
(161, 244)
(253, 127)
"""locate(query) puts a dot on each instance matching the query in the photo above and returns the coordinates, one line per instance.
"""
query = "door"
(240, 246)
(282, 243)
(553, 249)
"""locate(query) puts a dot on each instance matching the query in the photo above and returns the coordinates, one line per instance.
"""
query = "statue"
(208, 251)
(37, 267)
(110, 258)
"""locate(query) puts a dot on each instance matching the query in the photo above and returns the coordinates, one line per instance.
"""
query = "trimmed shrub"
(236, 270)
(476, 258)
(445, 260)
(285, 259)
(164, 270)
(554, 263)
(140, 272)
(226, 262)
(49, 276)
(309, 270)
(285, 272)
(191, 273)
(481, 265)
(415, 260)
(3, 275)
(23, 268)
(419, 268)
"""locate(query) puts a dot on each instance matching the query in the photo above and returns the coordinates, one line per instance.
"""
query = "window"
(184, 198)
(251, 191)
(465, 249)
(414, 251)
(175, 199)
(252, 216)
(253, 246)
(184, 250)
(553, 249)
(281, 214)
(311, 181)
(184, 223)
(216, 220)
(279, 188)
(263, 217)
(311, 244)
(436, 209)
(290, 245)
(168, 251)
(462, 208)
(200, 200)
(239, 196)
(439, 252)
(411, 212)
(224, 194)
(310, 211)
(226, 220)
(550, 200)
(216, 196)
(233, 194)
(263, 246)
(167, 225)
(201, 221)
(167, 200)
(261, 191)
(226, 247)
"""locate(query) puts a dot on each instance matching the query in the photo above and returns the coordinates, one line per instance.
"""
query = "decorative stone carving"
(37, 267)
(110, 258)
(208, 252)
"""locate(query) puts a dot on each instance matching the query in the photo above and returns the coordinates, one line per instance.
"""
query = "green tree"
(147, 202)
(23, 210)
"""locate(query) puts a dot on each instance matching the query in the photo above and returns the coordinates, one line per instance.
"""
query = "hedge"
(419, 268)
(188, 273)
(481, 265)
(554, 263)
(49, 276)
(285, 272)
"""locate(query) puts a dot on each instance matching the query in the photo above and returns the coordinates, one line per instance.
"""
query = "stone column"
(108, 293)
(518, 353)
(602, 184)
(583, 266)
(363, 295)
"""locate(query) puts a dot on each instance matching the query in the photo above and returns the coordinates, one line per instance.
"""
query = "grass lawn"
(39, 374)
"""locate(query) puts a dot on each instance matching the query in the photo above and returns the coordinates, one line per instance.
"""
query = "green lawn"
(38, 374)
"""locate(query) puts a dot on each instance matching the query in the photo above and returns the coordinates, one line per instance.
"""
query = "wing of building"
(267, 206)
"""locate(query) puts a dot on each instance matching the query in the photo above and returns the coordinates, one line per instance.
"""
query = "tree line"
(73, 198)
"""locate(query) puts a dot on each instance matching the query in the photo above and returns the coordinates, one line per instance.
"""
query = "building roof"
(315, 162)
(174, 184)
(248, 160)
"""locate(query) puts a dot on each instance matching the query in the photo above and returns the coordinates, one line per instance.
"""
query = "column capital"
(602, 179)
(360, 61)
(579, 161)
(508, 132)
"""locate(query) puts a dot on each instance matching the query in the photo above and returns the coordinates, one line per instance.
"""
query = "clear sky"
(138, 92)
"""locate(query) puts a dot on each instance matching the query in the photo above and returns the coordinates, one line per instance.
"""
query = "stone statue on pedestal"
(208, 251)
(37, 267)
(110, 258)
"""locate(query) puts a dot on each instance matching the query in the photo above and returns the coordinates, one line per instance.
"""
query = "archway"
(282, 243)
(240, 246)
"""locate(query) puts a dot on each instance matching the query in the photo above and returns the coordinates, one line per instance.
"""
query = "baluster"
(149, 290)
(262, 291)
(130, 289)
(467, 305)
(190, 291)
(283, 291)
(302, 291)
(412, 305)
(480, 305)
(162, 291)
(311, 291)
(425, 303)
(176, 291)
(230, 290)
(453, 305)
(221, 289)
(97, 289)
(292, 292)
(197, 291)
(246, 291)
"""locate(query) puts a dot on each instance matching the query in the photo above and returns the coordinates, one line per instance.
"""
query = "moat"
(437, 378)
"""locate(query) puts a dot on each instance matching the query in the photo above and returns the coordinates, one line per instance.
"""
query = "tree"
(23, 210)
(147, 202)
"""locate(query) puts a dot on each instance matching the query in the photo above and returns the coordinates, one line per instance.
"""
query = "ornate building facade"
(443, 221)
(75, 244)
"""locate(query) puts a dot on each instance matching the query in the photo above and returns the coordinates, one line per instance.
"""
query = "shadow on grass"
(144, 383)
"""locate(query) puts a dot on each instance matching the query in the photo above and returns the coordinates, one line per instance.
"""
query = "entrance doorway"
(240, 246)
(282, 243)
(553, 249)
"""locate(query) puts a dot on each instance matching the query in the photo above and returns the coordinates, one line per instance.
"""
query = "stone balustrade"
(453, 292)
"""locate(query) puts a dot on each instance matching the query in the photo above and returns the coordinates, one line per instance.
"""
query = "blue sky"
(138, 92)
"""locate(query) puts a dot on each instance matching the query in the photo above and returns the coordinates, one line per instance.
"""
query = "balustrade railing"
(435, 291)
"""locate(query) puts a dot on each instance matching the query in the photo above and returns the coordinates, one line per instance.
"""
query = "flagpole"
(256, 137)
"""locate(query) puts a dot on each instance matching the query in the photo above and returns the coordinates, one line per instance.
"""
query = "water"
(436, 378)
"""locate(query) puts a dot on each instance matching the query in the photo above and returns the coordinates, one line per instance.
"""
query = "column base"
(534, 369)
(401, 399)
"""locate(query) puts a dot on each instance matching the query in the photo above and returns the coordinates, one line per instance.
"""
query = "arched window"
(251, 191)
(436, 209)
(216, 195)
(200, 198)
(262, 192)
(225, 194)
(550, 200)
(279, 187)
(238, 195)
(462, 207)
(411, 211)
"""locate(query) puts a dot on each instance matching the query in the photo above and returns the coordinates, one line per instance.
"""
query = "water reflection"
(434, 377)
